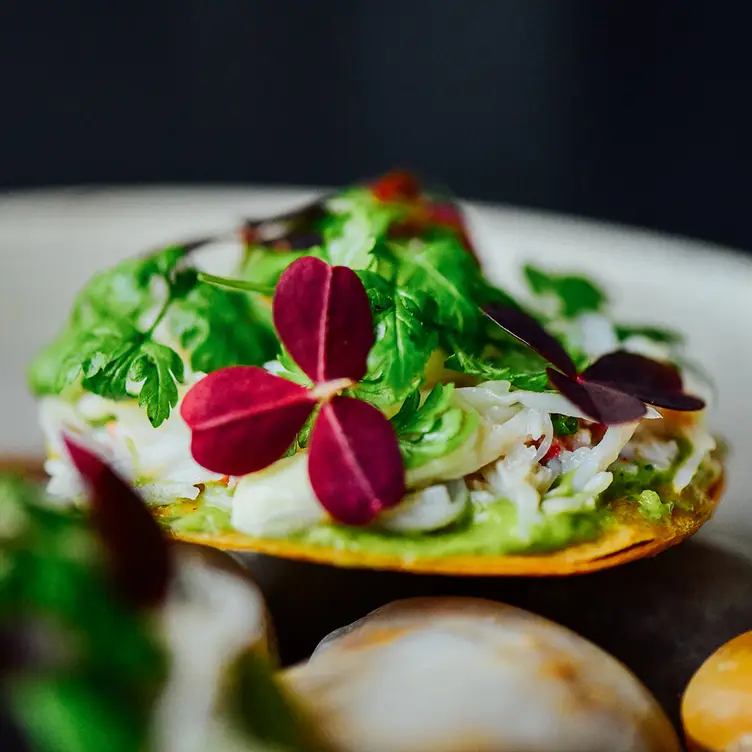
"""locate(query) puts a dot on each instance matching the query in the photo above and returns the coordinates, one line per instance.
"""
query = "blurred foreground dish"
(450, 674)
(93, 659)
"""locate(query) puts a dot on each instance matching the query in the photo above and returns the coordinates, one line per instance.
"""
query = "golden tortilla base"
(632, 537)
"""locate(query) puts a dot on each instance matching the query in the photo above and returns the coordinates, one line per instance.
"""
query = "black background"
(630, 111)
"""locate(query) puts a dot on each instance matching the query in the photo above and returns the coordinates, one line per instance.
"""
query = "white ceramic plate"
(52, 241)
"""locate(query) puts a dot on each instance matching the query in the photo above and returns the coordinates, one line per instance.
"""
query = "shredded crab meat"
(512, 454)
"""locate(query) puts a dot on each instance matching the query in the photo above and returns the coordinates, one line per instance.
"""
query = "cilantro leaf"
(443, 270)
(518, 365)
(130, 290)
(113, 363)
(576, 294)
(469, 361)
(221, 328)
(357, 222)
(405, 340)
(160, 368)
(112, 340)
(431, 429)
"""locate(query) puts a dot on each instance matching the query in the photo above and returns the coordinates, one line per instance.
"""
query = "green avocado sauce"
(491, 529)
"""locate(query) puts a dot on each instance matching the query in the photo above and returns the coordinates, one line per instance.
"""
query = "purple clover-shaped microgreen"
(614, 389)
(244, 418)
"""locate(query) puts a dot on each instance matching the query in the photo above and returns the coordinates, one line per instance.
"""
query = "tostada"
(354, 390)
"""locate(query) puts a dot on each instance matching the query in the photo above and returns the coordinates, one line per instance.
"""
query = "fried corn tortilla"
(360, 393)
(628, 537)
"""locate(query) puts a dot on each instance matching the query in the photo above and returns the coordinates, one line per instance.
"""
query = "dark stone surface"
(662, 617)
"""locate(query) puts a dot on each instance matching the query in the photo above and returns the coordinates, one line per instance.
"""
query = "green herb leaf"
(288, 369)
(109, 342)
(220, 328)
(576, 294)
(657, 334)
(356, 223)
(446, 273)
(405, 339)
(160, 368)
(564, 425)
(518, 365)
(130, 290)
(264, 266)
(431, 429)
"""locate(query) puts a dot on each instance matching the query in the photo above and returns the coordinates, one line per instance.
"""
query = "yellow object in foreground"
(717, 704)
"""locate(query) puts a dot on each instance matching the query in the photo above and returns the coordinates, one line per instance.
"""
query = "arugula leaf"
(221, 328)
(431, 429)
(576, 294)
(657, 334)
(405, 340)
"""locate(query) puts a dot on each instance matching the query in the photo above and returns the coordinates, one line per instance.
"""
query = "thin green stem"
(236, 284)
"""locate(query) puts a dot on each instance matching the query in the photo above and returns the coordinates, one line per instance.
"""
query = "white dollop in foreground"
(457, 674)
(213, 614)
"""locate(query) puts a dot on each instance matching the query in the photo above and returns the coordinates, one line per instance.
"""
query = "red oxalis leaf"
(528, 330)
(323, 318)
(243, 418)
(611, 390)
(355, 465)
(600, 402)
(137, 549)
(653, 382)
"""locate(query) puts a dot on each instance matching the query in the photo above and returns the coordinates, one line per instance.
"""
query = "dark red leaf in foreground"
(653, 382)
(243, 418)
(355, 465)
(598, 401)
(323, 318)
(528, 330)
(137, 549)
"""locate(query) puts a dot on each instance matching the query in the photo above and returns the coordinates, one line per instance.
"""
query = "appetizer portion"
(717, 704)
(114, 639)
(360, 393)
(464, 673)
